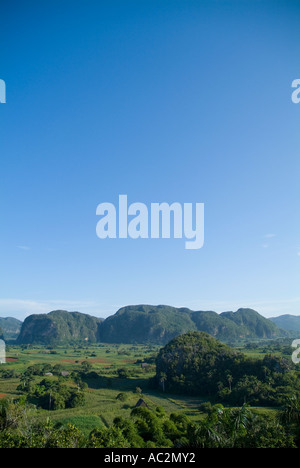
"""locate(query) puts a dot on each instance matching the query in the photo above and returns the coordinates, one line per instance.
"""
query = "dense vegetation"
(59, 327)
(220, 428)
(53, 395)
(198, 364)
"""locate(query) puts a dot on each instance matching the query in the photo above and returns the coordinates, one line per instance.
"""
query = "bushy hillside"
(252, 324)
(198, 364)
(59, 327)
(193, 363)
(217, 326)
(146, 324)
(11, 327)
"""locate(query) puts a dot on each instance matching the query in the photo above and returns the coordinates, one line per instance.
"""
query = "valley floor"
(102, 404)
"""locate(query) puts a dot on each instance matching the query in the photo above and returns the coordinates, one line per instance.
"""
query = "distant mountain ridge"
(287, 322)
(10, 327)
(145, 324)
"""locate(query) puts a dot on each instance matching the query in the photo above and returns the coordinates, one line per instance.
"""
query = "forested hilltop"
(59, 327)
(145, 324)
(198, 364)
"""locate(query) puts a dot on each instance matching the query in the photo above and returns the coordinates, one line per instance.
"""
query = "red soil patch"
(92, 361)
(10, 359)
(99, 360)
(2, 395)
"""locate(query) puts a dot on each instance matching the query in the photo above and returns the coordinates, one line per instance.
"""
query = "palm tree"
(291, 411)
(229, 379)
(52, 386)
(26, 379)
(163, 379)
(240, 419)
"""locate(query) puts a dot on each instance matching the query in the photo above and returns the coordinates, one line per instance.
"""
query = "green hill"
(160, 324)
(252, 324)
(198, 364)
(287, 322)
(146, 324)
(193, 363)
(59, 327)
(10, 327)
(1, 334)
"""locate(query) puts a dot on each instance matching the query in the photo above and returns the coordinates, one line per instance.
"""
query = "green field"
(101, 405)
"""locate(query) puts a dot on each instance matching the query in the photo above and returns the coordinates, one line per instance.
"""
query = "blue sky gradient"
(165, 101)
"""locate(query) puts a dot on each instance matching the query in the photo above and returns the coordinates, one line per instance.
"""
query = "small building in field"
(141, 404)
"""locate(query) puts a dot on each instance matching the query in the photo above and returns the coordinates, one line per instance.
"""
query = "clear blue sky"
(186, 101)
